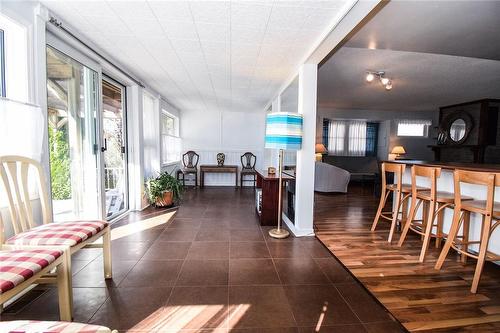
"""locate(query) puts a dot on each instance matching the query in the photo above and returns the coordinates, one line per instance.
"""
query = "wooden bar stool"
(435, 202)
(401, 194)
(490, 211)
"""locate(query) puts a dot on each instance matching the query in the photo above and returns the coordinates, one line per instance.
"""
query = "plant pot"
(166, 200)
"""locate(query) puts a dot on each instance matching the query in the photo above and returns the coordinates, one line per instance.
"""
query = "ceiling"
(207, 55)
(437, 53)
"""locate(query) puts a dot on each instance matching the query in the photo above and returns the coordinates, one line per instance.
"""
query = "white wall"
(416, 148)
(232, 133)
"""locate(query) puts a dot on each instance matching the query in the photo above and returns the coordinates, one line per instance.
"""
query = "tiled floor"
(214, 269)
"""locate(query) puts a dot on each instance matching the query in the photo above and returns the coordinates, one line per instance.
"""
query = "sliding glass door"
(114, 151)
(73, 106)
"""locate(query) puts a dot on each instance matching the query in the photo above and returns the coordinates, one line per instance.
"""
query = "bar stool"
(434, 201)
(401, 194)
(490, 211)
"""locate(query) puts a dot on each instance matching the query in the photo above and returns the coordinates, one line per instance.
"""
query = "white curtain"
(336, 137)
(357, 138)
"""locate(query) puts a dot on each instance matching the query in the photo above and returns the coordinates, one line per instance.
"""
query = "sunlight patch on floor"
(191, 317)
(132, 228)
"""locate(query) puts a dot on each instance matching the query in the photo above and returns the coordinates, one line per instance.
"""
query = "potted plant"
(163, 190)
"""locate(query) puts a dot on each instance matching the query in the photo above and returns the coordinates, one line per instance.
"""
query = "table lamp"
(283, 132)
(320, 149)
(398, 151)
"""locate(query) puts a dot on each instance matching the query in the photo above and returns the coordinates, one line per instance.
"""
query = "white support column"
(304, 185)
(135, 152)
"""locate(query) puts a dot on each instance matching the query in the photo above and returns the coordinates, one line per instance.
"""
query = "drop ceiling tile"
(87, 8)
(179, 29)
(212, 32)
(248, 14)
(215, 12)
(143, 27)
(132, 9)
(245, 35)
(186, 46)
(171, 10)
(108, 26)
(288, 18)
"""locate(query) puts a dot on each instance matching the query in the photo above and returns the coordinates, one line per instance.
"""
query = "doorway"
(87, 140)
(114, 151)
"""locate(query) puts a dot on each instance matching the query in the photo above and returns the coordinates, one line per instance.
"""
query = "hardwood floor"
(420, 297)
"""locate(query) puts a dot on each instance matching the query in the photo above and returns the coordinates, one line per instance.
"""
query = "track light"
(385, 81)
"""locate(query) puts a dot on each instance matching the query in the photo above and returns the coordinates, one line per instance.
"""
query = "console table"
(269, 186)
(218, 169)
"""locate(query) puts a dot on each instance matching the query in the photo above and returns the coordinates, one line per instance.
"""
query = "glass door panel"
(115, 159)
(72, 106)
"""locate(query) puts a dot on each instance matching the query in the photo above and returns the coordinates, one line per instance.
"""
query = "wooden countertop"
(453, 165)
(266, 176)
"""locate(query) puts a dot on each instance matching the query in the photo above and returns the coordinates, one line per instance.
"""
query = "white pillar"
(304, 185)
(135, 151)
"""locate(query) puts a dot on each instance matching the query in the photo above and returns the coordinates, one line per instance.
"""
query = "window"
(417, 128)
(170, 141)
(2, 66)
(350, 137)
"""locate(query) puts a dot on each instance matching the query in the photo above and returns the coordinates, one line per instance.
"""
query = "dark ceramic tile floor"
(214, 269)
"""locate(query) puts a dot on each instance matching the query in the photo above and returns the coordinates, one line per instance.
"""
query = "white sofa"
(329, 178)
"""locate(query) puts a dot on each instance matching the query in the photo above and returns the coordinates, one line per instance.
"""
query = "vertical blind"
(350, 137)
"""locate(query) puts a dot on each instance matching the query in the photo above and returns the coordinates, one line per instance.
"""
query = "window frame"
(165, 114)
(3, 92)
(420, 122)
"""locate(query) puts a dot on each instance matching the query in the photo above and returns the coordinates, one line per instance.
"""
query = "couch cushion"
(34, 326)
(20, 265)
(62, 233)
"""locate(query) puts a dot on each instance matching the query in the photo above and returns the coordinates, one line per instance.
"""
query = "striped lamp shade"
(284, 131)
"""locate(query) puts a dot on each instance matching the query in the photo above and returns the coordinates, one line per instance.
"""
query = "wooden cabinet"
(268, 184)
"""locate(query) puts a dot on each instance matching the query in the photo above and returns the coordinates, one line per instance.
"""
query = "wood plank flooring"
(420, 297)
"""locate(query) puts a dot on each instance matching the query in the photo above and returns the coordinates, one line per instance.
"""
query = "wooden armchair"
(23, 267)
(73, 234)
(248, 161)
(190, 166)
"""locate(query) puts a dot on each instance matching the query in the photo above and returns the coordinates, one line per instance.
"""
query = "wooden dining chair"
(248, 161)
(489, 210)
(22, 268)
(28, 232)
(190, 161)
(401, 194)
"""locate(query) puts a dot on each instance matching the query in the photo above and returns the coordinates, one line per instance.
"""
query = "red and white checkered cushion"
(18, 266)
(61, 233)
(33, 326)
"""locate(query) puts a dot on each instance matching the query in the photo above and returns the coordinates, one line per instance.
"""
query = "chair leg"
(451, 237)
(428, 231)
(395, 214)
(64, 287)
(439, 230)
(465, 234)
(409, 220)
(381, 205)
(483, 247)
(106, 249)
(183, 179)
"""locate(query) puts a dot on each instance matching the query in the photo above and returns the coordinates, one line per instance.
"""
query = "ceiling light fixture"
(385, 81)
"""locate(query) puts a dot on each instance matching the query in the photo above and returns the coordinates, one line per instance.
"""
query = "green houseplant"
(163, 190)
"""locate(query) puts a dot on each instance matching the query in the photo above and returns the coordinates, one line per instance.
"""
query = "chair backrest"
(432, 173)
(395, 168)
(190, 159)
(14, 178)
(488, 179)
(248, 160)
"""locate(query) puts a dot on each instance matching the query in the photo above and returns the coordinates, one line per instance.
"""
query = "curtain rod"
(59, 25)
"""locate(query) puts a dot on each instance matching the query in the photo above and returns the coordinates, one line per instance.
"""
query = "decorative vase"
(166, 200)
(220, 159)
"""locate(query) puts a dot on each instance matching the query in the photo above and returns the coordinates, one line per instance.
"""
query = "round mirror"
(457, 130)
